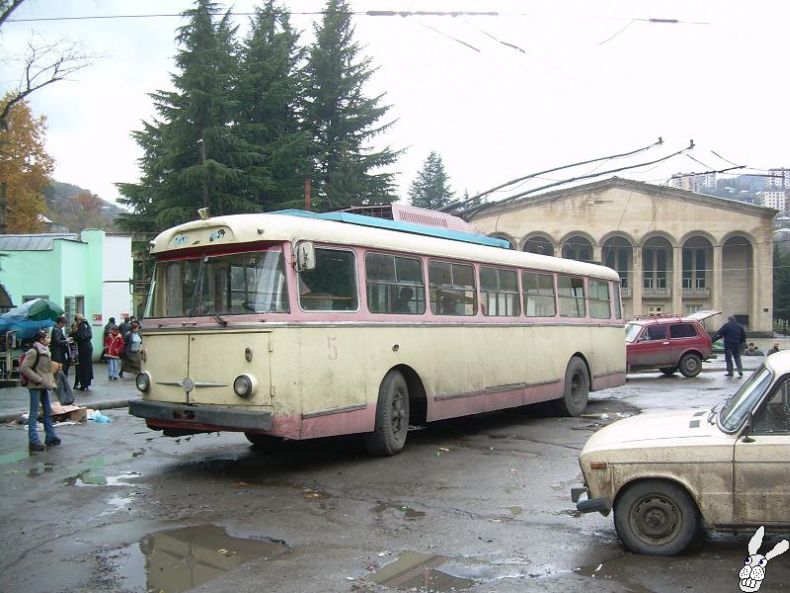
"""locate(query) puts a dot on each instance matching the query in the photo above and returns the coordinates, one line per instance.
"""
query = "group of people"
(53, 353)
(123, 347)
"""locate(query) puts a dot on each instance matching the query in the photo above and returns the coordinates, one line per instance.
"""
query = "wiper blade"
(220, 320)
(712, 413)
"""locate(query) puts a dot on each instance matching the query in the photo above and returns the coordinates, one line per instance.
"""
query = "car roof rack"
(643, 316)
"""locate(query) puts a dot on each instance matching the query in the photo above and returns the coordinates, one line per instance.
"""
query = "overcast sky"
(589, 79)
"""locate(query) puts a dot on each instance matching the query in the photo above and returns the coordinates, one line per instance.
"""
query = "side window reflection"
(774, 414)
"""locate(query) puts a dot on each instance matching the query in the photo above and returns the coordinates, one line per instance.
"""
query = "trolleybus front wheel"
(392, 417)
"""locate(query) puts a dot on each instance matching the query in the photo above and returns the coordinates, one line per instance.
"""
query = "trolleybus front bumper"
(167, 415)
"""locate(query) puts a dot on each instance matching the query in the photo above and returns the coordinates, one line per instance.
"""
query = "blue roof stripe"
(396, 225)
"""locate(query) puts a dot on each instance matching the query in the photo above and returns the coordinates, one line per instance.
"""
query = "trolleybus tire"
(392, 417)
(576, 390)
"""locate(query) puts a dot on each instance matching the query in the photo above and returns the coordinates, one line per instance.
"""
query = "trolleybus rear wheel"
(392, 417)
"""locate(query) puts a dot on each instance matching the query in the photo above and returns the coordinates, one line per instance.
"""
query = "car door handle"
(665, 343)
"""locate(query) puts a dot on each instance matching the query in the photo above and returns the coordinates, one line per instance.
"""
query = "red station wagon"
(668, 344)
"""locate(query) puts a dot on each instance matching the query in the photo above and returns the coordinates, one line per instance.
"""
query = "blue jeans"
(41, 395)
(113, 367)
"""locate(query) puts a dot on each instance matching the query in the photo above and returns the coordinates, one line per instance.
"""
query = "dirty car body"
(667, 475)
(669, 344)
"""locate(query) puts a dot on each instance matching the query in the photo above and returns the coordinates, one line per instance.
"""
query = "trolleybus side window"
(600, 304)
(570, 291)
(538, 294)
(499, 292)
(394, 284)
(332, 285)
(618, 307)
(452, 288)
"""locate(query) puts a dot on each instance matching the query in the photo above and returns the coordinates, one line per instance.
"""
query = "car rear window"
(682, 330)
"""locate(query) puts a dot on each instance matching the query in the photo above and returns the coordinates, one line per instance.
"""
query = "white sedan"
(667, 475)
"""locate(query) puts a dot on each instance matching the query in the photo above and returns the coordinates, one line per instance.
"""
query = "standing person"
(37, 368)
(734, 337)
(133, 352)
(74, 353)
(773, 350)
(59, 344)
(108, 326)
(85, 349)
(114, 345)
(125, 326)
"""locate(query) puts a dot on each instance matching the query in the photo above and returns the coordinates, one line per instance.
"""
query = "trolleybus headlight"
(245, 386)
(143, 381)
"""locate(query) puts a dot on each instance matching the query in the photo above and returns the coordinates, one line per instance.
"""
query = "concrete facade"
(89, 273)
(676, 251)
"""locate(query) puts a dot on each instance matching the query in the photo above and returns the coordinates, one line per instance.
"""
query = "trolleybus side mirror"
(305, 257)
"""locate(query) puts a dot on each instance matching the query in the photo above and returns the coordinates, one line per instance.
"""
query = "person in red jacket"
(113, 346)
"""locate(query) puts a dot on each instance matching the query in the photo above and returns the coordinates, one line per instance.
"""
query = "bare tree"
(44, 63)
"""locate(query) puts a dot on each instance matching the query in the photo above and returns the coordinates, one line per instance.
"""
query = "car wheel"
(577, 389)
(656, 517)
(669, 371)
(392, 417)
(690, 365)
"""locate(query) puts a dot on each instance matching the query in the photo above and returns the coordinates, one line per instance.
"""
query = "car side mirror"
(305, 257)
(747, 428)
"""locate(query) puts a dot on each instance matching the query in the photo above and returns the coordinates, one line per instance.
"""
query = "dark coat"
(59, 346)
(732, 333)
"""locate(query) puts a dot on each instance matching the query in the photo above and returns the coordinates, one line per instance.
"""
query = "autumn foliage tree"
(25, 168)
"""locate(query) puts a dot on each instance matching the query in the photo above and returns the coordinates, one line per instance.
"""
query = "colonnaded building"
(676, 251)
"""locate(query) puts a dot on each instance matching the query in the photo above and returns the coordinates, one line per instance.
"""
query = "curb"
(99, 405)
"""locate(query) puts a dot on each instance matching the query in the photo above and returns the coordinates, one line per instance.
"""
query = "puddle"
(408, 512)
(612, 571)
(91, 477)
(418, 572)
(185, 558)
(40, 468)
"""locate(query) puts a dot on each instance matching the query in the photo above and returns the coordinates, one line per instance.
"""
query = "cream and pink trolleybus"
(294, 325)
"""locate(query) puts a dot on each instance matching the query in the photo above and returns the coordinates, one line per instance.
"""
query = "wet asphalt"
(479, 504)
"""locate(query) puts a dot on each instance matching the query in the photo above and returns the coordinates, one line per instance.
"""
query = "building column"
(598, 254)
(756, 306)
(677, 280)
(636, 282)
(717, 278)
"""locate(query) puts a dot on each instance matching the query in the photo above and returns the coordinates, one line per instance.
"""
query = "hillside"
(77, 208)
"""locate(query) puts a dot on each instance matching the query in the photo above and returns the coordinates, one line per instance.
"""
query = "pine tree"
(268, 94)
(342, 120)
(193, 156)
(431, 188)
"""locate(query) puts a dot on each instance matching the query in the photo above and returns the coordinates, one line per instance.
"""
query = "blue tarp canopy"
(29, 317)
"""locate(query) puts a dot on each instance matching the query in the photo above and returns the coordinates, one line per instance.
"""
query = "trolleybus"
(293, 325)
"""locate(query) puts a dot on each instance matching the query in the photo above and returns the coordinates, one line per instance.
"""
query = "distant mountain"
(76, 208)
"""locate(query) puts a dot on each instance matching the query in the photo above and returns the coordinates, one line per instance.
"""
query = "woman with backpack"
(36, 372)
